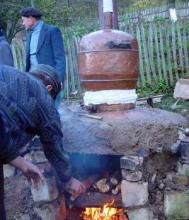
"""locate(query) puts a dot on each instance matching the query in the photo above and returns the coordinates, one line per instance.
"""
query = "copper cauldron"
(108, 60)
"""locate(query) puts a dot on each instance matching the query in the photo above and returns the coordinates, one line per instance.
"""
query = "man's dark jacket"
(5, 52)
(50, 49)
(26, 110)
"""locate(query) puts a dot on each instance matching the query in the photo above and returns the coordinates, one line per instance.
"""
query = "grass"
(167, 102)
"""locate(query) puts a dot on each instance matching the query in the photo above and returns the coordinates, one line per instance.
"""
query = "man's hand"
(32, 172)
(75, 188)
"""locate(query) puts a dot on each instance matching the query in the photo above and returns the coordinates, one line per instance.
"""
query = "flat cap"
(30, 11)
(50, 72)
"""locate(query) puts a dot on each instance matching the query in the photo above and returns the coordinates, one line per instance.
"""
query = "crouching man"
(27, 109)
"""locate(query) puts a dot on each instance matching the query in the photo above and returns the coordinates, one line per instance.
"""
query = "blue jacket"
(50, 49)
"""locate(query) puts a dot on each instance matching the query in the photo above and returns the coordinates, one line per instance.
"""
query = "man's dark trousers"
(3, 140)
(2, 207)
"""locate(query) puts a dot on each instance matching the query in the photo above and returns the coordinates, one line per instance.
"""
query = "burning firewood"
(87, 183)
(114, 181)
(117, 189)
(115, 178)
(104, 213)
(109, 184)
(102, 186)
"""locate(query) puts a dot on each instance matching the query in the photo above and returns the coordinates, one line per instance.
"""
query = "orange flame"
(104, 213)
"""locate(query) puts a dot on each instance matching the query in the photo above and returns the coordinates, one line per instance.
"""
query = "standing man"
(44, 44)
(6, 56)
(27, 109)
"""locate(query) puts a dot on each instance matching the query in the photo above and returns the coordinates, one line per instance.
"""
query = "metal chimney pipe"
(108, 18)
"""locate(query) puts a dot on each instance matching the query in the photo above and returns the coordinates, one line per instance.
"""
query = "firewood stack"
(110, 184)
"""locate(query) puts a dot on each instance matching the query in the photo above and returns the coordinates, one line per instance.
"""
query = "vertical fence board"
(148, 75)
(174, 50)
(162, 54)
(157, 50)
(71, 76)
(185, 49)
(14, 55)
(140, 56)
(181, 62)
(169, 58)
(76, 45)
(151, 52)
(66, 80)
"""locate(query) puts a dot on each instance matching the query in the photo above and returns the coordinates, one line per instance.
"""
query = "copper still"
(108, 59)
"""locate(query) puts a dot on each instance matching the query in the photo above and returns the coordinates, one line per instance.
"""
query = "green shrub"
(155, 88)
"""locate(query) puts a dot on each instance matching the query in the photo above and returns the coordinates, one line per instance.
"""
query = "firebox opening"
(101, 175)
(85, 165)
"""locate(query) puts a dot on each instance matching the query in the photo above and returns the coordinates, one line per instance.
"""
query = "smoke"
(84, 165)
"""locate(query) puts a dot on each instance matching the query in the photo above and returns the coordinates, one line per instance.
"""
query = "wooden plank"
(143, 101)
(95, 199)
(14, 55)
(169, 58)
(173, 46)
(151, 53)
(75, 66)
(138, 34)
(185, 49)
(23, 55)
(19, 56)
(146, 57)
(181, 61)
(67, 78)
(76, 54)
(157, 50)
(163, 55)
(71, 70)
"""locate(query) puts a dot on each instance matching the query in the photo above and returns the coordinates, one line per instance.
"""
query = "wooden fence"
(163, 47)
(149, 14)
(164, 51)
(88, 10)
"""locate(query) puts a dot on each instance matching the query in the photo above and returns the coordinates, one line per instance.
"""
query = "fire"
(104, 213)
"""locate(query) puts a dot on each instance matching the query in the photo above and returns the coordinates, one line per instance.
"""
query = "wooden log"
(116, 178)
(108, 184)
(95, 199)
(87, 183)
(117, 189)
(102, 186)
(91, 116)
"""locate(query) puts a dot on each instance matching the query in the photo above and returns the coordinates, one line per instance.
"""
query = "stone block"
(46, 168)
(38, 157)
(134, 193)
(131, 176)
(47, 212)
(25, 217)
(48, 192)
(131, 162)
(176, 205)
(140, 214)
(181, 180)
(183, 169)
(8, 170)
